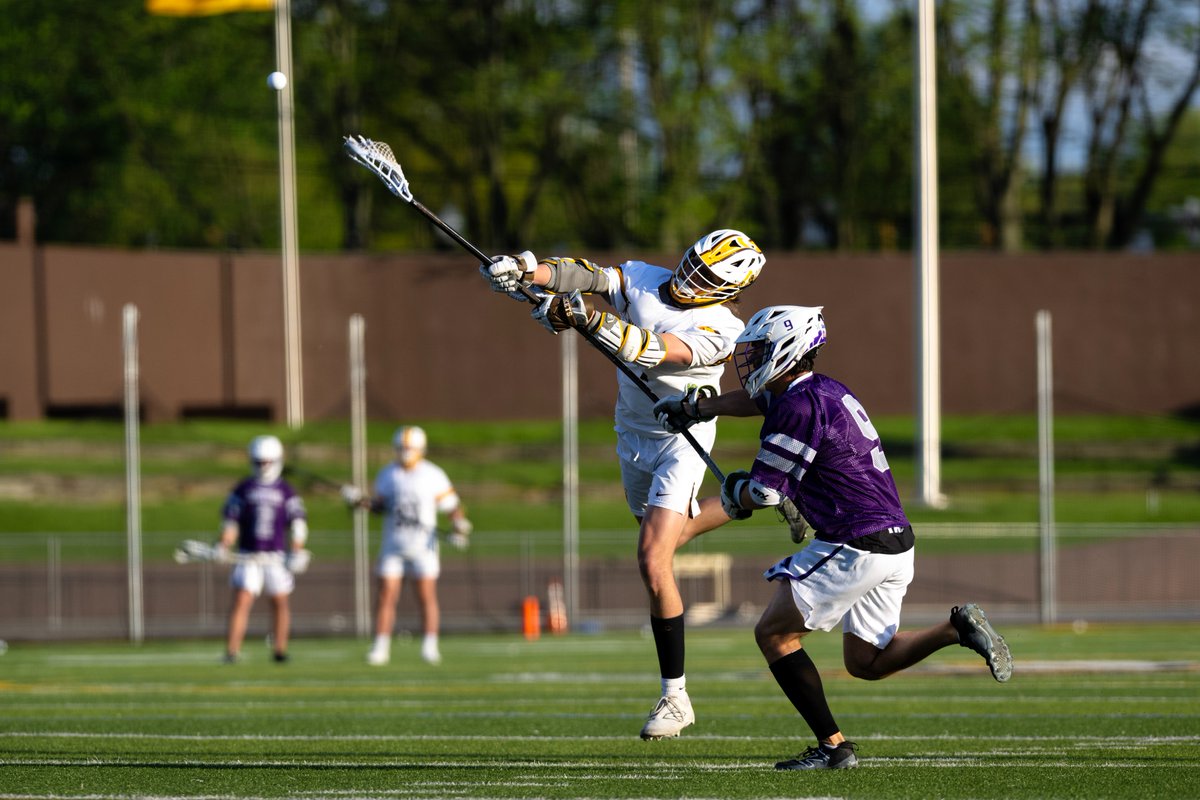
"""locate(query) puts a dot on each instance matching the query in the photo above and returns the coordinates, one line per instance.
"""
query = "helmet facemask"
(266, 457)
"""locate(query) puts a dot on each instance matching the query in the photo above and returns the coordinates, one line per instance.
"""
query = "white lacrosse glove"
(557, 312)
(731, 493)
(679, 412)
(297, 561)
(352, 495)
(461, 528)
(507, 273)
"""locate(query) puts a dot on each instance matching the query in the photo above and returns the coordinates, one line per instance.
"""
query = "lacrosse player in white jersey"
(265, 519)
(410, 492)
(675, 330)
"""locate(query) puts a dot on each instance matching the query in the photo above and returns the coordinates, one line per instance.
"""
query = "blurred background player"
(675, 330)
(265, 520)
(410, 492)
(819, 448)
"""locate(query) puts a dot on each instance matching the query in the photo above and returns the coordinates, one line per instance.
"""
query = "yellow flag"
(204, 8)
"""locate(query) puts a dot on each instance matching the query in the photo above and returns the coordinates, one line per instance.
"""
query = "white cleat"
(672, 714)
(430, 655)
(377, 658)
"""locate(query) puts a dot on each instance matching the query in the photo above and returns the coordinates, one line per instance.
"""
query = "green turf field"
(1102, 712)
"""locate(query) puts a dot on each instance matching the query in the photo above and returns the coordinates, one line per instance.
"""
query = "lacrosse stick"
(379, 159)
(299, 473)
(194, 551)
(191, 551)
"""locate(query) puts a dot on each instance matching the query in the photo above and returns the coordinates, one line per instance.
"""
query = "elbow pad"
(763, 496)
(628, 342)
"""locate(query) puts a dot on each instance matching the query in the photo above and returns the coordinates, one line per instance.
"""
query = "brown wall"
(439, 345)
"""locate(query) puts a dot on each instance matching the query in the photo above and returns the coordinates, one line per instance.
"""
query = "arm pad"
(763, 496)
(299, 532)
(630, 343)
(571, 274)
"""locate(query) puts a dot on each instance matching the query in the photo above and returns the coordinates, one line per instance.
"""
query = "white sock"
(383, 643)
(431, 641)
(674, 685)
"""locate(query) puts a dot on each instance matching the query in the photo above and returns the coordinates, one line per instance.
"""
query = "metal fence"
(73, 586)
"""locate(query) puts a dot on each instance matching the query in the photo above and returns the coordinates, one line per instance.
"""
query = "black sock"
(668, 641)
(797, 675)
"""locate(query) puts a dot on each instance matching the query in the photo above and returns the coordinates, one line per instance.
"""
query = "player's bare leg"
(865, 660)
(779, 634)
(427, 599)
(282, 613)
(387, 594)
(711, 516)
(658, 538)
(239, 616)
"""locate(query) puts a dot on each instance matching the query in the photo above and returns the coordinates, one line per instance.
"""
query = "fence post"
(1045, 393)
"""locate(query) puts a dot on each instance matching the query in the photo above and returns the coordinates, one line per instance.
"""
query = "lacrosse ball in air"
(277, 80)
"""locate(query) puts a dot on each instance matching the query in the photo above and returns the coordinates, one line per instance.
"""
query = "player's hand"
(797, 525)
(507, 273)
(221, 554)
(461, 528)
(297, 561)
(352, 495)
(557, 312)
(679, 412)
(731, 494)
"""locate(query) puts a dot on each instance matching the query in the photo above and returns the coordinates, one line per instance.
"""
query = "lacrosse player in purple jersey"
(266, 522)
(675, 329)
(819, 448)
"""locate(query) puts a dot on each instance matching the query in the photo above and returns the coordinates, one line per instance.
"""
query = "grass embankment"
(67, 476)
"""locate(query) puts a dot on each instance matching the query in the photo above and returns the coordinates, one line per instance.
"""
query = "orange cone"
(531, 613)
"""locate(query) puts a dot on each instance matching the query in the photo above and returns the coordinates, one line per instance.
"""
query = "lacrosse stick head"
(191, 551)
(379, 158)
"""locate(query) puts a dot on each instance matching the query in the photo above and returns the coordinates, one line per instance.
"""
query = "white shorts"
(422, 564)
(263, 575)
(663, 471)
(834, 582)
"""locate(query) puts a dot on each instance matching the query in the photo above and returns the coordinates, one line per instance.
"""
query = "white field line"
(1065, 666)
(1124, 742)
(655, 771)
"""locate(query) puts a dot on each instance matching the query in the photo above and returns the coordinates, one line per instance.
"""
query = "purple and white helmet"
(716, 268)
(774, 340)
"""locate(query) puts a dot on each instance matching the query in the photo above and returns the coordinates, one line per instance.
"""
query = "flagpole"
(293, 363)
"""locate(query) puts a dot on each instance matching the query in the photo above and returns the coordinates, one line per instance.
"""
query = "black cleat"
(824, 756)
(280, 658)
(976, 633)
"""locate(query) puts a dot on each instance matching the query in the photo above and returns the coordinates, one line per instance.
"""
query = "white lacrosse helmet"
(266, 456)
(410, 444)
(716, 268)
(774, 340)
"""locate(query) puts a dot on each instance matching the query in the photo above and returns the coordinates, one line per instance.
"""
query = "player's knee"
(863, 670)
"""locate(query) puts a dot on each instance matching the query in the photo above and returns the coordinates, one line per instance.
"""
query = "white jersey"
(412, 499)
(637, 291)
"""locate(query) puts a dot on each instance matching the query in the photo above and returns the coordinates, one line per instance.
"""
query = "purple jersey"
(264, 513)
(820, 449)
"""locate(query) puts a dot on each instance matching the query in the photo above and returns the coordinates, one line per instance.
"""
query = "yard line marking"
(1121, 741)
